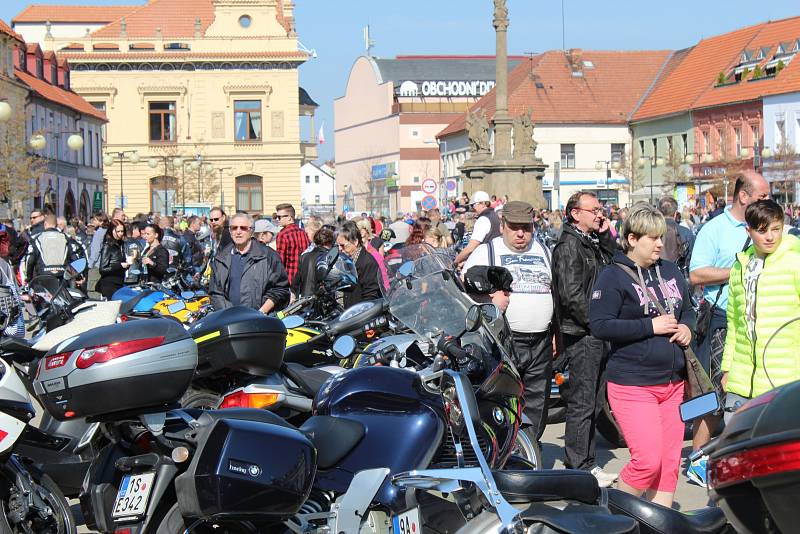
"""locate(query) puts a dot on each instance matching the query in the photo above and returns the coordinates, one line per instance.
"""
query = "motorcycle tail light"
(754, 463)
(244, 399)
(105, 353)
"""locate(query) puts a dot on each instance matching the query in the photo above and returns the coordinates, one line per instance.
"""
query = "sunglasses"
(242, 228)
(282, 216)
(214, 219)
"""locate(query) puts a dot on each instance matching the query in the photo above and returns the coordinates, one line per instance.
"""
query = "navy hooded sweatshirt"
(617, 314)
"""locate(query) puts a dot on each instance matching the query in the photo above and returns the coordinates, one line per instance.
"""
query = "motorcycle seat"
(333, 437)
(656, 519)
(547, 485)
(579, 518)
(19, 350)
(309, 379)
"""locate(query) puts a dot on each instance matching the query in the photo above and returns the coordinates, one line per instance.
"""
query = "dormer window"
(796, 46)
(66, 80)
(177, 46)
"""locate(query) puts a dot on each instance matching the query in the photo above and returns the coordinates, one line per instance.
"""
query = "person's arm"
(26, 268)
(701, 266)
(276, 291)
(569, 266)
(466, 251)
(160, 262)
(604, 310)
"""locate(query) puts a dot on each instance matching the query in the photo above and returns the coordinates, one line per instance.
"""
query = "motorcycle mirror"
(176, 307)
(344, 346)
(75, 269)
(699, 406)
(407, 269)
(187, 295)
(473, 320)
(293, 321)
(490, 312)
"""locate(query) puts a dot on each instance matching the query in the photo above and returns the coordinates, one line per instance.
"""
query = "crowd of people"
(611, 291)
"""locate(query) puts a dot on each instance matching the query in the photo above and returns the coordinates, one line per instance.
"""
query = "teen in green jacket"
(764, 296)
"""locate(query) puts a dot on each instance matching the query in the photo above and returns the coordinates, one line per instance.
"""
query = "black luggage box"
(246, 467)
(239, 339)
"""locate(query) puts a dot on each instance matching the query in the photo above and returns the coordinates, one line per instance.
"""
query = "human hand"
(501, 300)
(665, 324)
(683, 336)
(125, 265)
(147, 261)
(605, 225)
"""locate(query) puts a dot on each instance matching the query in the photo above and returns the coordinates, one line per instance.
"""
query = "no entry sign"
(429, 186)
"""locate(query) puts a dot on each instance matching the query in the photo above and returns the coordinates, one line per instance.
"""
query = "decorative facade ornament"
(500, 21)
(232, 90)
(161, 90)
(89, 92)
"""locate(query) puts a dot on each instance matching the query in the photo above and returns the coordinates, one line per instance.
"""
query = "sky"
(333, 28)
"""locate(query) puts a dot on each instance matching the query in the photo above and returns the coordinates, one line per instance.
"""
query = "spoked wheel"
(200, 399)
(527, 449)
(19, 518)
(173, 523)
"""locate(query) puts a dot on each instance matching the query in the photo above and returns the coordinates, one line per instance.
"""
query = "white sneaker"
(604, 479)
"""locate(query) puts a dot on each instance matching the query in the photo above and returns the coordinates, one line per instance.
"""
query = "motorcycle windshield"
(425, 295)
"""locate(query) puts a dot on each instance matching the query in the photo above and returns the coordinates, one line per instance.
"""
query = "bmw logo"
(254, 471)
(498, 415)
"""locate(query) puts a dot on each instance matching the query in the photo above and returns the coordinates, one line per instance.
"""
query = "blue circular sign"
(429, 202)
(451, 185)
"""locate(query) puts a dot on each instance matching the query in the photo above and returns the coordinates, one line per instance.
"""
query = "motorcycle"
(29, 500)
(343, 470)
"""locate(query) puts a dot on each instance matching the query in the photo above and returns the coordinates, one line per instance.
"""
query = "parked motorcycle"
(30, 501)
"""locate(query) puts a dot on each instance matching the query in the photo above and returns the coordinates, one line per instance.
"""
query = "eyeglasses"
(596, 211)
(242, 228)
(214, 219)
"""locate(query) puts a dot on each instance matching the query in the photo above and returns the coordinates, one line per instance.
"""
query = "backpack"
(676, 248)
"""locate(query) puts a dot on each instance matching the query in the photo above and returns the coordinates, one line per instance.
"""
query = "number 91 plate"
(132, 496)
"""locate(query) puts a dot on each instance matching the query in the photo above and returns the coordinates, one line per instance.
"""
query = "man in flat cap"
(528, 307)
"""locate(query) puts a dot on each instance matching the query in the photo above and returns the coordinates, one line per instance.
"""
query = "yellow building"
(202, 97)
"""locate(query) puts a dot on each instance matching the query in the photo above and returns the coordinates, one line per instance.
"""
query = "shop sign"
(446, 88)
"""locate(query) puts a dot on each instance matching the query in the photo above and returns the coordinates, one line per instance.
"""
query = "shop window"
(249, 194)
(247, 120)
(163, 123)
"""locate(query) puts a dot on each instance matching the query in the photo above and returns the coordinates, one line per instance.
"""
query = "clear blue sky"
(334, 29)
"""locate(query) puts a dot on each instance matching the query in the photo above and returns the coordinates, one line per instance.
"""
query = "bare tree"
(629, 169)
(676, 170)
(20, 170)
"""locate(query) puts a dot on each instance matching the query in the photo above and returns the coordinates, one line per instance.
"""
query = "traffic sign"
(97, 201)
(429, 187)
(452, 185)
(429, 202)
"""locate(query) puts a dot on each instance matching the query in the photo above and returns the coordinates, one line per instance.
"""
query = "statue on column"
(500, 14)
(524, 143)
(478, 133)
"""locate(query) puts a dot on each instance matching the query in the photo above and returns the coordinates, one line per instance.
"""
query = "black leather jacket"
(576, 264)
(111, 259)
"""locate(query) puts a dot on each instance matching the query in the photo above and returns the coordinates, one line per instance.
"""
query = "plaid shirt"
(291, 242)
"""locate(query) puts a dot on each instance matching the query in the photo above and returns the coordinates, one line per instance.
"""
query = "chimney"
(575, 60)
(123, 28)
(198, 28)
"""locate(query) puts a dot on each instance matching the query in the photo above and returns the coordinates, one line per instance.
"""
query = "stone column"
(502, 121)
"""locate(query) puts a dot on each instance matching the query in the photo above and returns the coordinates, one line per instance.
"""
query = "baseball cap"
(263, 225)
(518, 212)
(480, 196)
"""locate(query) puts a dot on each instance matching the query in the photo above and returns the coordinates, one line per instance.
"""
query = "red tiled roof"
(58, 95)
(691, 83)
(6, 29)
(33, 47)
(181, 55)
(175, 18)
(606, 93)
(96, 14)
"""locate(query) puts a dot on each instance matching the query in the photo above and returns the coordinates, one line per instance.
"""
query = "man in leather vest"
(180, 256)
(48, 253)
(487, 225)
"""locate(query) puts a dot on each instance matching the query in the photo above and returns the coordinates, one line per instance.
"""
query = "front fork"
(23, 496)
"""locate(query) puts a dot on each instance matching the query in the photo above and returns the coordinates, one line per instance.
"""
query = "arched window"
(162, 194)
(84, 206)
(248, 194)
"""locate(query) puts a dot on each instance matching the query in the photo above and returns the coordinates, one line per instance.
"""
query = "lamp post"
(221, 190)
(609, 165)
(654, 162)
(74, 142)
(153, 162)
(108, 160)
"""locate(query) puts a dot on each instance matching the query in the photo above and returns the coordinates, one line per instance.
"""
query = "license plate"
(132, 495)
(407, 523)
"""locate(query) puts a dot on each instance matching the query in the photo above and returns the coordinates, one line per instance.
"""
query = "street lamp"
(5, 111)
(74, 142)
(654, 162)
(108, 160)
(221, 190)
(153, 162)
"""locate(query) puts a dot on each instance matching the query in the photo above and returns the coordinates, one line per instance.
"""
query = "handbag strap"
(648, 292)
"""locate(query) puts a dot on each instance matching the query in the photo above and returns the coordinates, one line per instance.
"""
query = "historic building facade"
(202, 96)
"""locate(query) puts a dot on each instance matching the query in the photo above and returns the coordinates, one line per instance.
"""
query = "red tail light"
(754, 463)
(104, 353)
(244, 399)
